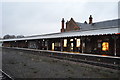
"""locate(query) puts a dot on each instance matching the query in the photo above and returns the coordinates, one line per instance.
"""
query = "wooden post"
(83, 44)
(61, 43)
(47, 44)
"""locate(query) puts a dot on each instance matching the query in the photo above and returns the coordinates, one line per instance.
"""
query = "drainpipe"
(115, 44)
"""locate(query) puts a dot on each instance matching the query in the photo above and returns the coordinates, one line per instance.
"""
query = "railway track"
(98, 60)
(112, 66)
(4, 76)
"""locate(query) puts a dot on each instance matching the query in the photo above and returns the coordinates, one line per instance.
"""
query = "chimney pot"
(62, 29)
(85, 22)
(90, 19)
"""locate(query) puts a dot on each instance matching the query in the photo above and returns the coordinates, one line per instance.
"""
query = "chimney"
(85, 22)
(90, 19)
(67, 24)
(62, 29)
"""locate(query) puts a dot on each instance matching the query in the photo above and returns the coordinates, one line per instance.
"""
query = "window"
(71, 46)
(105, 46)
(57, 44)
(65, 42)
(71, 39)
(99, 45)
(53, 46)
(78, 43)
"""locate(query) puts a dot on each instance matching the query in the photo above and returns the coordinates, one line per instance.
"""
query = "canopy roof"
(69, 34)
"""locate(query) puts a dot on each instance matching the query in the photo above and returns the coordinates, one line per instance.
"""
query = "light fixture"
(26, 41)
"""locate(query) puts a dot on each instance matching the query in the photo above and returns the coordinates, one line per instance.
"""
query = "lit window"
(71, 46)
(65, 42)
(78, 43)
(71, 39)
(105, 46)
(53, 46)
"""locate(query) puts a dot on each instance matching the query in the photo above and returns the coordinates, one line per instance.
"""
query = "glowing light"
(104, 55)
(71, 39)
(65, 42)
(105, 46)
(78, 43)
(71, 46)
(53, 46)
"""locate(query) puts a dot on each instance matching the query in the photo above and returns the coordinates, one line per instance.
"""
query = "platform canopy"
(69, 34)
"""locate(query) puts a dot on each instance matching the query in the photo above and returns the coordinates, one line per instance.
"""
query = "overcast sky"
(35, 18)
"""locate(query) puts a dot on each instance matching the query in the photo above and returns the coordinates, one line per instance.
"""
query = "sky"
(43, 17)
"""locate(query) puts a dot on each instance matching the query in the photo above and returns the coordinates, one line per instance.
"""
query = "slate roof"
(100, 25)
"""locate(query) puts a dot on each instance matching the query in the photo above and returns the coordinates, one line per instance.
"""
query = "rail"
(5, 76)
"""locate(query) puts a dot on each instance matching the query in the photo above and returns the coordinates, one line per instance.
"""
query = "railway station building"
(101, 38)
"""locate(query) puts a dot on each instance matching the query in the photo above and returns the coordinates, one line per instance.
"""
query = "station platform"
(99, 60)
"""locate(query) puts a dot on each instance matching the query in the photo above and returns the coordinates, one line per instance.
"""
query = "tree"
(20, 36)
(9, 36)
(6, 36)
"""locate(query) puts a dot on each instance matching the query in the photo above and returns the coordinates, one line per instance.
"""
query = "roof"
(69, 34)
(100, 25)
